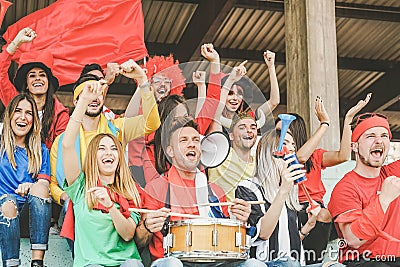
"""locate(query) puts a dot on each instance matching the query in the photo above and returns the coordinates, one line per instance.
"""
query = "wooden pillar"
(311, 63)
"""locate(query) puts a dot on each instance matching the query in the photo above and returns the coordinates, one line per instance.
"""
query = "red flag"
(3, 9)
(84, 31)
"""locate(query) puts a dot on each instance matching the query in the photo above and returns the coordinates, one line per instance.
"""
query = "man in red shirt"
(178, 188)
(365, 203)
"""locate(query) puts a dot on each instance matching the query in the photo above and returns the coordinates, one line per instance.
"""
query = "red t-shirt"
(314, 183)
(352, 194)
(181, 200)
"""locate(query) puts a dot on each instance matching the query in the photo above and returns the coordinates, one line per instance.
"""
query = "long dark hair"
(48, 109)
(299, 133)
(165, 109)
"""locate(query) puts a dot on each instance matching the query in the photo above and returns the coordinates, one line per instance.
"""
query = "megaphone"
(283, 153)
(286, 120)
(215, 148)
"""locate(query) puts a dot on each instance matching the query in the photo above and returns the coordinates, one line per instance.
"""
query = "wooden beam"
(343, 10)
(370, 12)
(207, 13)
(256, 56)
(383, 90)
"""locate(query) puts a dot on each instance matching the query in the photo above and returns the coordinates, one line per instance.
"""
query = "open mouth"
(248, 137)
(93, 105)
(191, 155)
(108, 161)
(21, 124)
(37, 84)
(162, 90)
(376, 153)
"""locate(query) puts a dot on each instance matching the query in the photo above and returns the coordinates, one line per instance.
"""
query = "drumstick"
(228, 203)
(176, 214)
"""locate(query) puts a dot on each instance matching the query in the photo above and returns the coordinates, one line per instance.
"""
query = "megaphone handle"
(309, 199)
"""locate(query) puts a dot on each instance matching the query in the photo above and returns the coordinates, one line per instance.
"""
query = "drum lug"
(248, 242)
(168, 242)
(215, 238)
(238, 239)
(189, 239)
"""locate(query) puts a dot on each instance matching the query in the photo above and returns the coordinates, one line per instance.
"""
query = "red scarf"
(68, 228)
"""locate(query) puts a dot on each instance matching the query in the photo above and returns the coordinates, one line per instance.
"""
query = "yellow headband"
(78, 90)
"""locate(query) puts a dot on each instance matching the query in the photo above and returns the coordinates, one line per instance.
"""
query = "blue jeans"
(39, 225)
(283, 262)
(127, 263)
(172, 261)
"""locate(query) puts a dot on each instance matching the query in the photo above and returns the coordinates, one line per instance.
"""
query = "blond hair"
(268, 170)
(123, 181)
(33, 144)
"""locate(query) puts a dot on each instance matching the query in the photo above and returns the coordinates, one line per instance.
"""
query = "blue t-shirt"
(10, 178)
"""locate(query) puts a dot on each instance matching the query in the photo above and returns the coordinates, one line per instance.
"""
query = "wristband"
(324, 122)
(108, 208)
(303, 234)
(145, 226)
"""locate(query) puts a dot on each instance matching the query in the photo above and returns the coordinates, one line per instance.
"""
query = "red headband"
(368, 123)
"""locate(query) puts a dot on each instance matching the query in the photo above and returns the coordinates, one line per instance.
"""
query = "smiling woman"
(34, 76)
(24, 181)
(101, 192)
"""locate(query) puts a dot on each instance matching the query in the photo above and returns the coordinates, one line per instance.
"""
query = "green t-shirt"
(96, 239)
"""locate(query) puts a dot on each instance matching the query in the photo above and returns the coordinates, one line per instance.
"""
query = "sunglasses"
(367, 115)
(158, 81)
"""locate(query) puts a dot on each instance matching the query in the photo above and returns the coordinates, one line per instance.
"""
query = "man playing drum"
(176, 191)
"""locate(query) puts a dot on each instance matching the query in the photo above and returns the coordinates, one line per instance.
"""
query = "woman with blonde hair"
(277, 240)
(24, 181)
(102, 193)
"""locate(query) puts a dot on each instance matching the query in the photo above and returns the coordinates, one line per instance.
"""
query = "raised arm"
(131, 70)
(308, 148)
(8, 90)
(274, 98)
(208, 51)
(92, 90)
(206, 113)
(149, 122)
(199, 79)
(331, 158)
(236, 74)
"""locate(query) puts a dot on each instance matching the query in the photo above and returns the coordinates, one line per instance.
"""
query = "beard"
(369, 164)
(94, 113)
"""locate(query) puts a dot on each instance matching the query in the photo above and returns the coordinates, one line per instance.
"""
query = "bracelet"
(108, 208)
(303, 234)
(75, 120)
(145, 226)
(326, 123)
